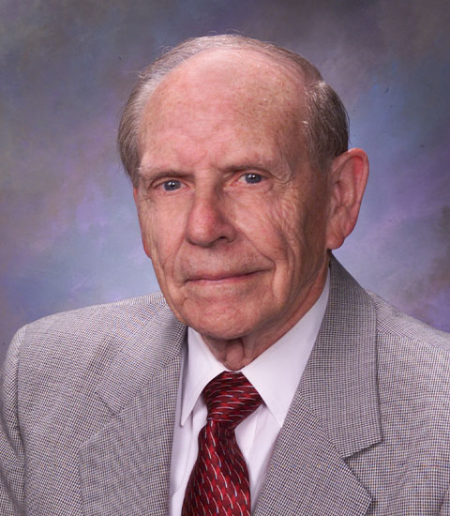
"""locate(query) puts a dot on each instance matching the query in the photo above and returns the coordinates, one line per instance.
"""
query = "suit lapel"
(307, 477)
(334, 414)
(125, 467)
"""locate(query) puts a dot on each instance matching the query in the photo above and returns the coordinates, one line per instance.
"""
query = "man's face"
(231, 213)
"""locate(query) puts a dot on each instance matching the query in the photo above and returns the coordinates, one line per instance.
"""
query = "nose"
(209, 222)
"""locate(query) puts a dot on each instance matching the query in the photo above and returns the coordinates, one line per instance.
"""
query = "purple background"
(69, 234)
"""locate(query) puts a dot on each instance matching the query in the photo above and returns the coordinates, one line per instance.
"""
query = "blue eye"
(252, 178)
(171, 185)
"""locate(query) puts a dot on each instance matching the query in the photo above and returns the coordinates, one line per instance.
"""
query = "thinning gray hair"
(325, 128)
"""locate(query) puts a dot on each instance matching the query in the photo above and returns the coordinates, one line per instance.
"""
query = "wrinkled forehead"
(228, 82)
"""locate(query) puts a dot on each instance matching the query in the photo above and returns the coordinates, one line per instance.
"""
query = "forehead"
(227, 85)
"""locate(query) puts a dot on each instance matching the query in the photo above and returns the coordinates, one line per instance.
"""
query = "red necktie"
(219, 483)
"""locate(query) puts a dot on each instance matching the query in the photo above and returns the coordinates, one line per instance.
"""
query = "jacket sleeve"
(12, 459)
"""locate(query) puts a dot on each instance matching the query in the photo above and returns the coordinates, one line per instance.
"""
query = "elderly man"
(266, 380)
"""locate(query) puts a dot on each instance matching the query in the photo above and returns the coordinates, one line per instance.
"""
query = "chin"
(224, 317)
(220, 333)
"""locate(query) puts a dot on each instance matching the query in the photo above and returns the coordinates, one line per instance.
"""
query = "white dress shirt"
(275, 374)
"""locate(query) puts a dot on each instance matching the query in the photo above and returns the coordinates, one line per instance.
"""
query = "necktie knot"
(230, 398)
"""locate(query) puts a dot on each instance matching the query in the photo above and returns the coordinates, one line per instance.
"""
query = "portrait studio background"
(69, 232)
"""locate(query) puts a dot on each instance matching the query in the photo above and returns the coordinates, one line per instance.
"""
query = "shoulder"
(65, 348)
(399, 333)
(395, 331)
(100, 325)
(410, 355)
(413, 369)
(87, 318)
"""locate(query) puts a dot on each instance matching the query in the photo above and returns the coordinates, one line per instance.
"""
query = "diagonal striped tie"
(219, 483)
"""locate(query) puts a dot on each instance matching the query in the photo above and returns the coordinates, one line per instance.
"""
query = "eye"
(171, 185)
(252, 178)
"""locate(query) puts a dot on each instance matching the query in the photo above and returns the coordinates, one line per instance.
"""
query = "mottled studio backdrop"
(69, 235)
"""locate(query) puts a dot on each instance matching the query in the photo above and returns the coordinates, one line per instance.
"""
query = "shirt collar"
(275, 374)
(200, 367)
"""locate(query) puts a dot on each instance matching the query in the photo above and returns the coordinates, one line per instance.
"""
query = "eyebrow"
(148, 174)
(157, 173)
(153, 173)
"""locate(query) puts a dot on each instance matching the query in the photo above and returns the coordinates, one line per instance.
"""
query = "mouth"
(221, 278)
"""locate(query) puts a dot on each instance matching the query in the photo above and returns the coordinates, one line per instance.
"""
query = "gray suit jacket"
(88, 402)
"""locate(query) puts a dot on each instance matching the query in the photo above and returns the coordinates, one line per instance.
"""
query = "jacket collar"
(340, 382)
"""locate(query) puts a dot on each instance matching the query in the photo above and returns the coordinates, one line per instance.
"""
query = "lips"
(220, 276)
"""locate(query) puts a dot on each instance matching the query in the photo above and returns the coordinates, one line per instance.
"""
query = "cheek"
(294, 236)
(284, 227)
(275, 229)
(160, 235)
(165, 245)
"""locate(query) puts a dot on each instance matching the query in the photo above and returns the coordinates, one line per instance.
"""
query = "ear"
(348, 179)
